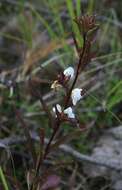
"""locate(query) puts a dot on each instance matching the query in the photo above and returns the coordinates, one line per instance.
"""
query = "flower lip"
(76, 95)
(58, 107)
(69, 113)
(69, 72)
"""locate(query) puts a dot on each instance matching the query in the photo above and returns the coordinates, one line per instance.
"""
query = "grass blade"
(76, 31)
(78, 7)
(2, 176)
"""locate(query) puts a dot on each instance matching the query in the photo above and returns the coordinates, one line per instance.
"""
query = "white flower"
(69, 72)
(58, 108)
(76, 95)
(69, 113)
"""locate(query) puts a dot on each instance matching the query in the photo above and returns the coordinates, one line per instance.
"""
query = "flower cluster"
(87, 27)
(87, 23)
(75, 95)
(68, 112)
(63, 78)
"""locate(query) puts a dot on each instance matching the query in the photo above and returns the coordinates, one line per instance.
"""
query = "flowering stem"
(51, 139)
(45, 154)
(77, 72)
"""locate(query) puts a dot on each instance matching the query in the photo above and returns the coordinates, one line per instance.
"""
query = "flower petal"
(69, 72)
(58, 108)
(76, 95)
(69, 113)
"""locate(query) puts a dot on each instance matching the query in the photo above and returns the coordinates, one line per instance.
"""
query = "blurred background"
(36, 42)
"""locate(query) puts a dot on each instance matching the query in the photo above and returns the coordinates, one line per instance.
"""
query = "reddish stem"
(51, 139)
(77, 73)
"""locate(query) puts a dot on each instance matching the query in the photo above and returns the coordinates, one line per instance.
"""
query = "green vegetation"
(36, 43)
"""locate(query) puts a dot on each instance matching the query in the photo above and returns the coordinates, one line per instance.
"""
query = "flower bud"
(87, 23)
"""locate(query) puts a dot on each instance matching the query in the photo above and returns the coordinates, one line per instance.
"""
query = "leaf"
(44, 22)
(26, 28)
(78, 7)
(115, 99)
(115, 95)
(72, 15)
(52, 181)
(3, 179)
